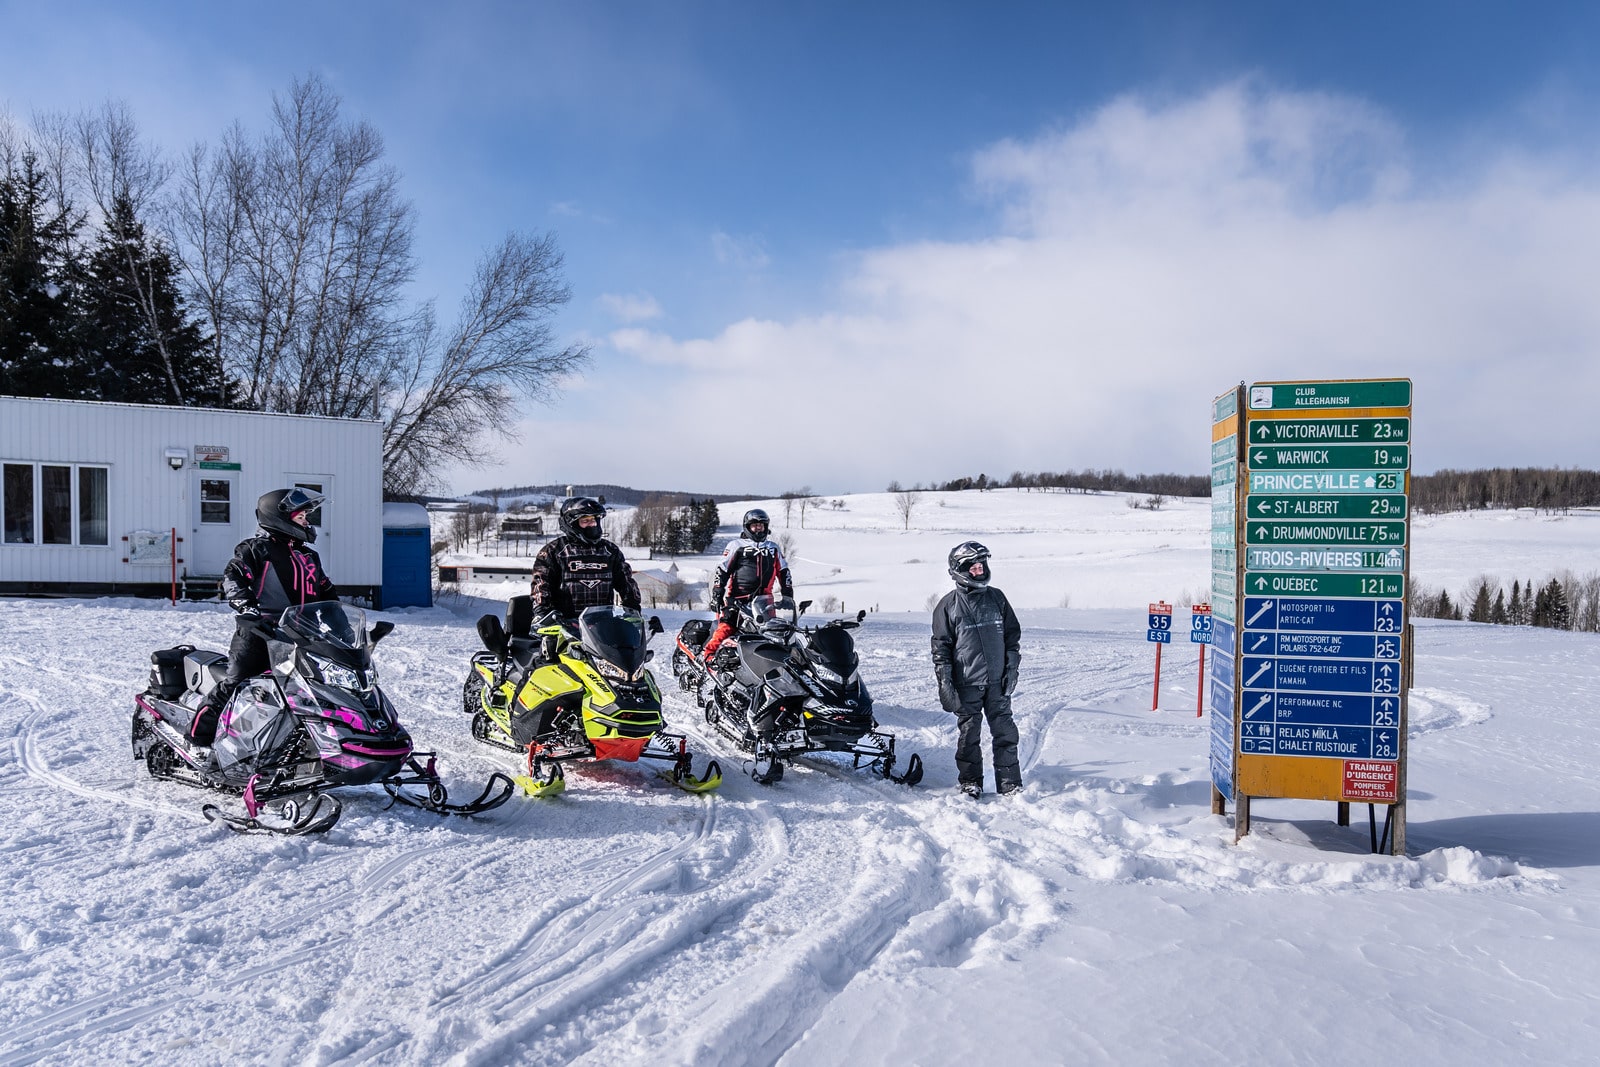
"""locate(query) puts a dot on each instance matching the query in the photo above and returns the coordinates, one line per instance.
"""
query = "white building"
(128, 498)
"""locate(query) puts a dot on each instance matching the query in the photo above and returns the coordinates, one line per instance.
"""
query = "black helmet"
(275, 511)
(962, 557)
(756, 515)
(576, 508)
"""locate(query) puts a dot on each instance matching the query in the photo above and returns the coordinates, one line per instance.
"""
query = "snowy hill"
(1104, 916)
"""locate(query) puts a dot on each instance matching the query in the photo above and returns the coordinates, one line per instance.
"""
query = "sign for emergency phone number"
(1322, 565)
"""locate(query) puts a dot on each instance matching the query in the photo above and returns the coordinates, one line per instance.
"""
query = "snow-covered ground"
(1103, 916)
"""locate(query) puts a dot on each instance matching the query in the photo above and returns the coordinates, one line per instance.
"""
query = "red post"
(1155, 701)
(173, 534)
(1200, 697)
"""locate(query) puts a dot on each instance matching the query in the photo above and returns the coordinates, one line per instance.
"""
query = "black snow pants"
(978, 703)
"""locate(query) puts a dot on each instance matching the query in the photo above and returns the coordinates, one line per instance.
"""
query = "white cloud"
(1149, 257)
(631, 307)
(747, 252)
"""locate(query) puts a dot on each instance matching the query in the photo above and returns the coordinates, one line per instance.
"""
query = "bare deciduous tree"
(905, 502)
(298, 247)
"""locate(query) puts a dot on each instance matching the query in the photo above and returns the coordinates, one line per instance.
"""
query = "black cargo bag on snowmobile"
(696, 632)
(166, 671)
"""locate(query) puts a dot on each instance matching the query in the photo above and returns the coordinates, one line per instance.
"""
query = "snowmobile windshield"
(327, 621)
(613, 635)
(834, 647)
(775, 618)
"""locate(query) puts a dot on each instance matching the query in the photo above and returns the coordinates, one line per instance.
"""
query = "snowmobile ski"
(437, 798)
(545, 778)
(685, 780)
(316, 815)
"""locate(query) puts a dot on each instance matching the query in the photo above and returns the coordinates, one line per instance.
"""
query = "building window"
(45, 503)
(56, 504)
(18, 503)
(216, 501)
(93, 512)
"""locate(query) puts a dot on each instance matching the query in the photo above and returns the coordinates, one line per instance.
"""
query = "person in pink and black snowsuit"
(275, 569)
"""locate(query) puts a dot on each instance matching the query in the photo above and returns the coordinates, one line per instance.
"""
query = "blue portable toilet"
(407, 558)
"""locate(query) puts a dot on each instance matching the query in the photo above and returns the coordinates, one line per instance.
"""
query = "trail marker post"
(1161, 633)
(1200, 634)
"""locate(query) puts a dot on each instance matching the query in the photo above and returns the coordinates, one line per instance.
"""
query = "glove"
(246, 609)
(1009, 684)
(949, 697)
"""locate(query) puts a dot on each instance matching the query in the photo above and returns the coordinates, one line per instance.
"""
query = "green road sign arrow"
(1291, 532)
(1310, 583)
(1329, 457)
(1392, 506)
(1264, 431)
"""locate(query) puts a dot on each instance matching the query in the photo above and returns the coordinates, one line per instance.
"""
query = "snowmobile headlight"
(829, 675)
(337, 674)
(611, 670)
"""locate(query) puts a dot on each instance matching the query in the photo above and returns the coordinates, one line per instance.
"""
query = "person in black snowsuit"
(275, 569)
(976, 656)
(751, 566)
(580, 568)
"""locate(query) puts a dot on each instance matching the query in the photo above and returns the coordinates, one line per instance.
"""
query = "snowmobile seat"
(521, 644)
(202, 670)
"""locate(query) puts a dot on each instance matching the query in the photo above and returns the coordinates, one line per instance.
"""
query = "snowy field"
(1104, 916)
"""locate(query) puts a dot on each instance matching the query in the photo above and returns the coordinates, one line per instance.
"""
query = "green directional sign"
(1391, 506)
(1322, 396)
(1329, 431)
(1326, 482)
(1329, 457)
(1307, 558)
(1294, 532)
(1310, 583)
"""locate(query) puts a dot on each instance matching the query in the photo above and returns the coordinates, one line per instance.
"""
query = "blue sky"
(839, 244)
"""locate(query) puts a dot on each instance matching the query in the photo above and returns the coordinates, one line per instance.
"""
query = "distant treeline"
(1565, 602)
(1546, 488)
(1084, 481)
(615, 494)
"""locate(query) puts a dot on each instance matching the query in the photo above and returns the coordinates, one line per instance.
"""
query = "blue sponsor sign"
(1335, 645)
(1319, 675)
(1327, 615)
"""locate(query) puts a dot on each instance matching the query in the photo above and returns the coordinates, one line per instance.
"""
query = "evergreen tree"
(1558, 612)
(1497, 614)
(703, 525)
(1541, 607)
(1443, 608)
(38, 273)
(137, 342)
(1480, 604)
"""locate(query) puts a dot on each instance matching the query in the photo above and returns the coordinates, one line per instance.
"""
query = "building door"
(216, 521)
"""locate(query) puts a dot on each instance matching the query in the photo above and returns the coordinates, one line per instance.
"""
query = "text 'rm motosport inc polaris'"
(780, 690)
(317, 721)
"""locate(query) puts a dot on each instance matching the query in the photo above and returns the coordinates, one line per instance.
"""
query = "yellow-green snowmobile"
(559, 694)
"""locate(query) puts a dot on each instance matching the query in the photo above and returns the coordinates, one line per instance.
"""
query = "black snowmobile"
(780, 690)
(316, 722)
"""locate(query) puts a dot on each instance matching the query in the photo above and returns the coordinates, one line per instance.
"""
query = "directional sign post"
(1321, 556)
(1200, 634)
(1161, 633)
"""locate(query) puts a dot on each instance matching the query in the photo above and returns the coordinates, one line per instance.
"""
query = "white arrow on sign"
(1387, 609)
(1262, 507)
(1261, 583)
(1386, 670)
(1266, 606)
(1264, 431)
(1261, 457)
(1261, 531)
(1266, 665)
(1388, 705)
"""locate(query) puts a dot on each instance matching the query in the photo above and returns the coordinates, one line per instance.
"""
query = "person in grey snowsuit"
(976, 657)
